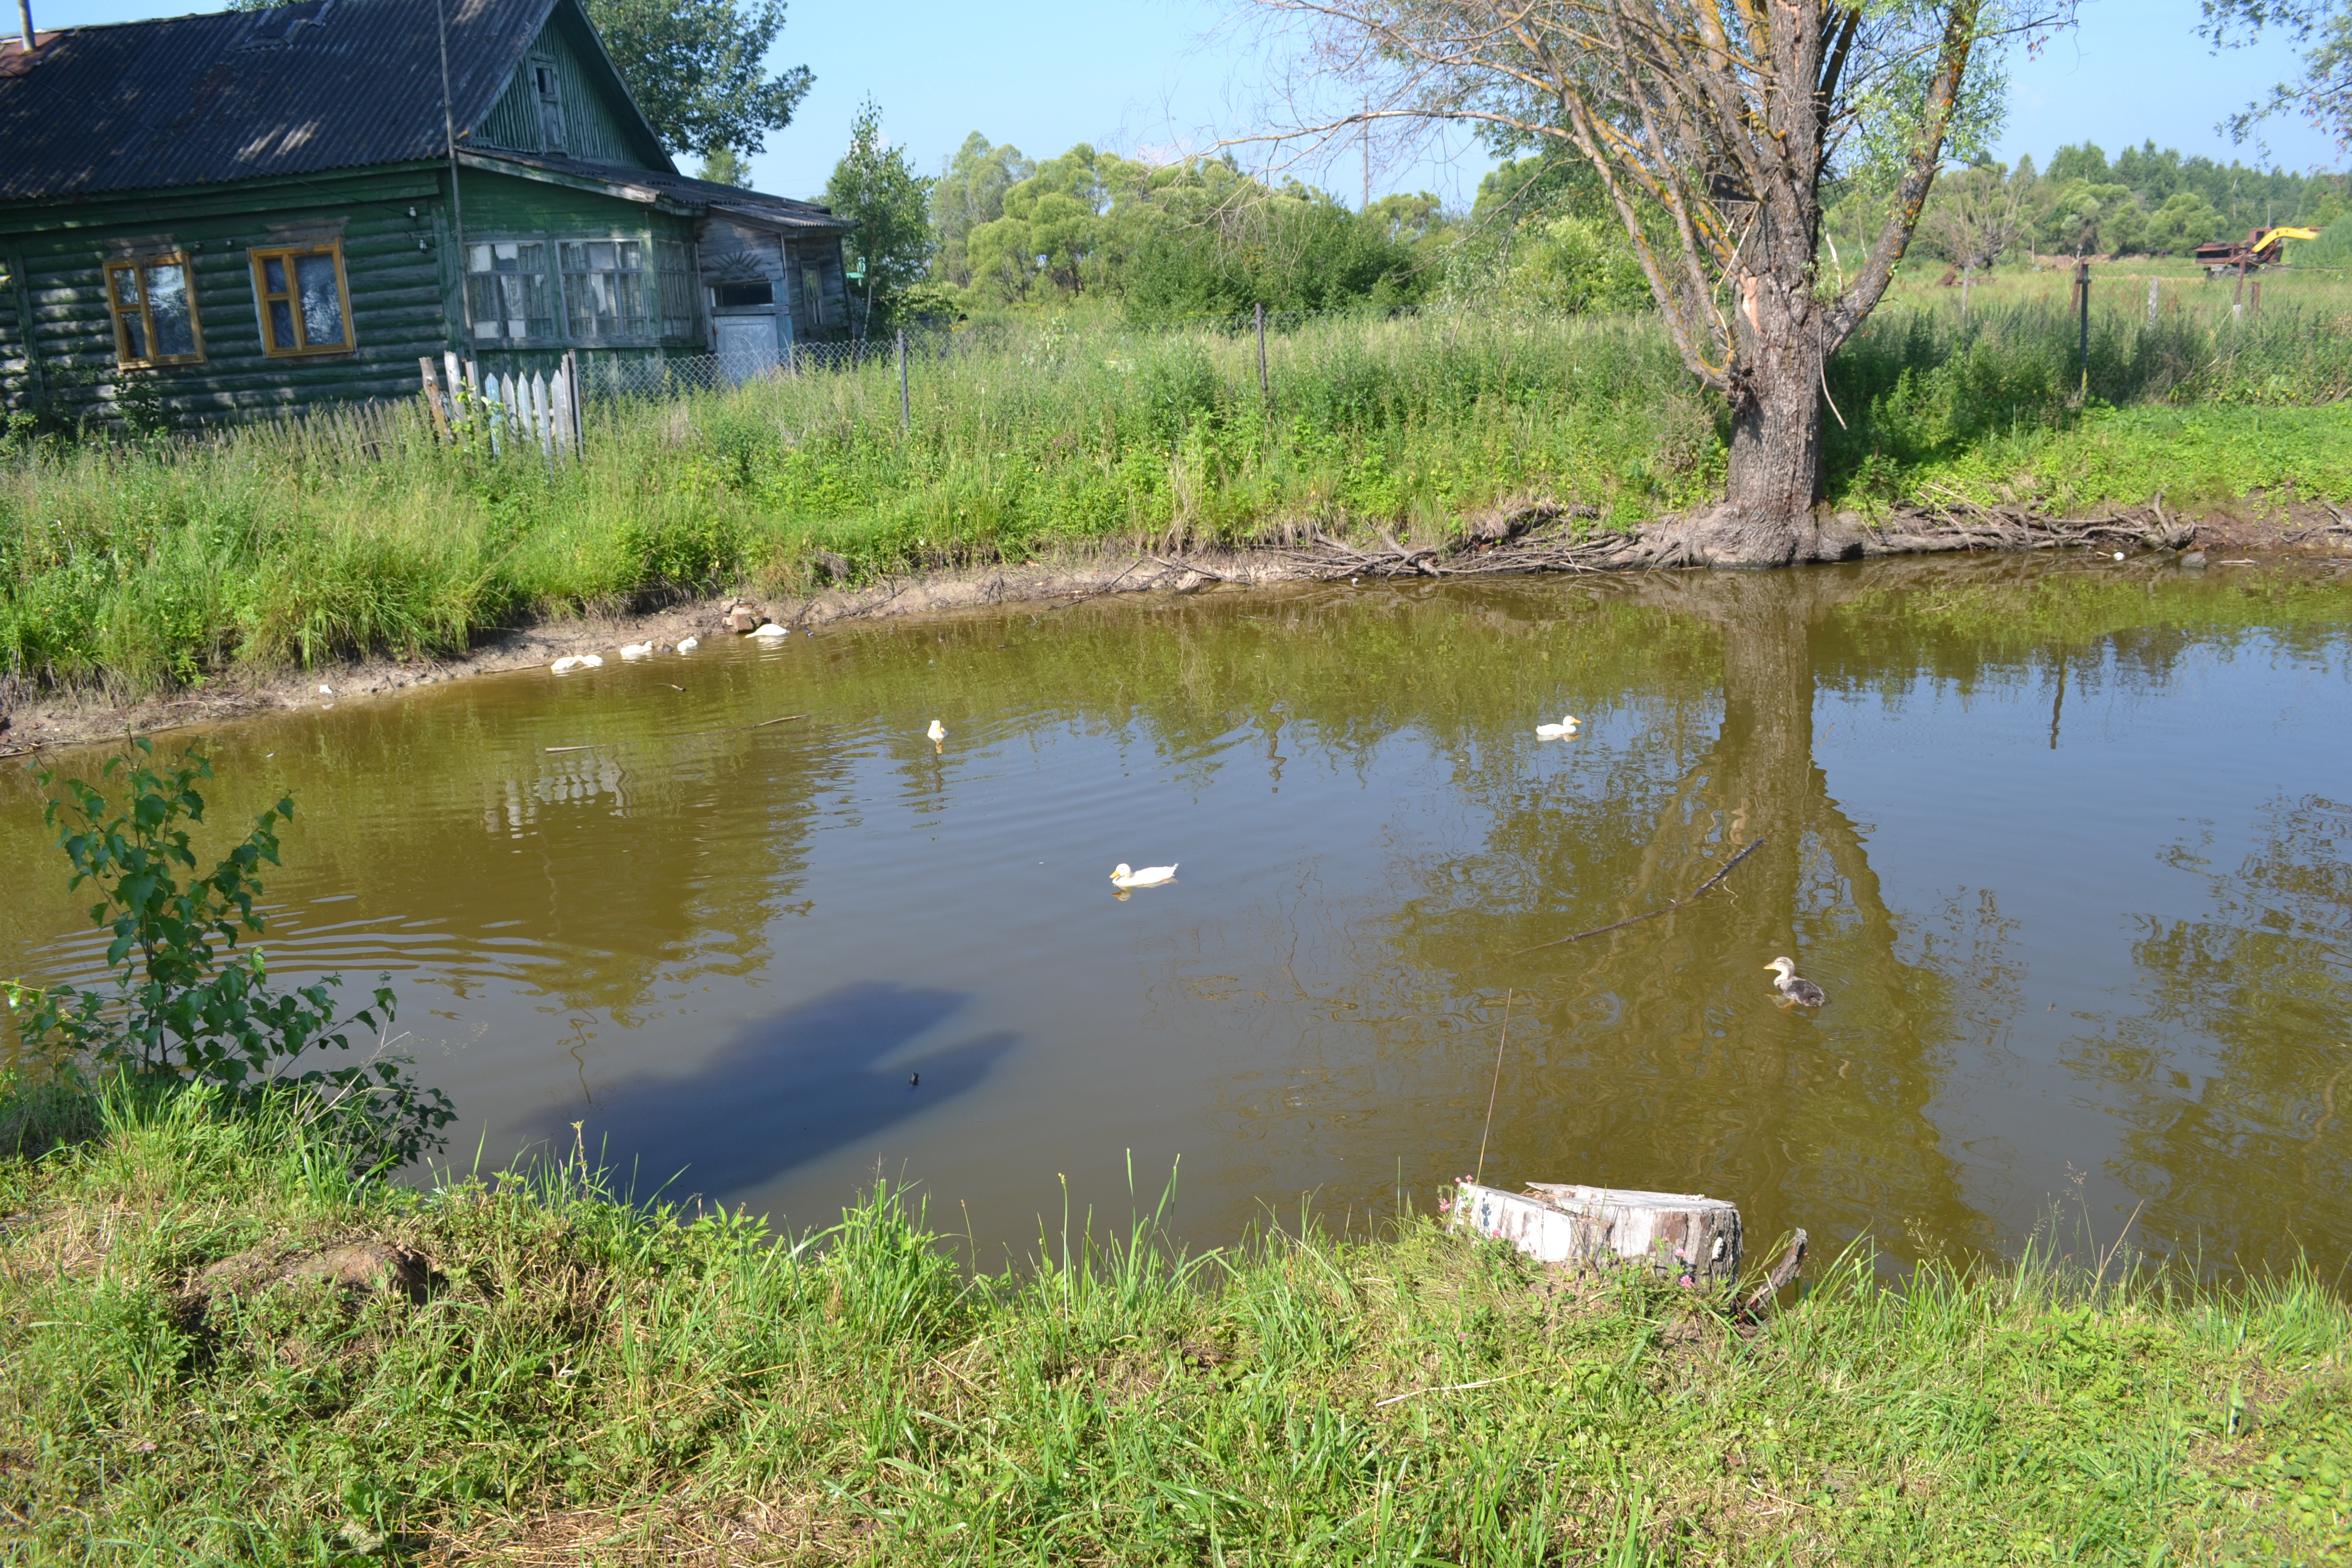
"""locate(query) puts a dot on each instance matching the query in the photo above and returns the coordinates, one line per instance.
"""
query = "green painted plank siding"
(512, 207)
(403, 274)
(600, 123)
(513, 121)
(18, 388)
(597, 124)
(392, 263)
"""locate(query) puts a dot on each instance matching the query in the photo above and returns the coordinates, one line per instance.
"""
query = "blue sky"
(1160, 74)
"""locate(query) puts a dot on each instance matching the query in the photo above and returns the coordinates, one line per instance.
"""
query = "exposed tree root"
(1538, 536)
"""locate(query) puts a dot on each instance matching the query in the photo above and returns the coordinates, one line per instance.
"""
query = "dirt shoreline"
(36, 722)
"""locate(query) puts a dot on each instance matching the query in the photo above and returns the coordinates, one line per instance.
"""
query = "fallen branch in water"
(1107, 587)
(1721, 872)
(1195, 567)
(785, 720)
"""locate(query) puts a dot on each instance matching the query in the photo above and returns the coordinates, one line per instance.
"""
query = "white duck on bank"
(572, 661)
(1567, 726)
(689, 645)
(1150, 877)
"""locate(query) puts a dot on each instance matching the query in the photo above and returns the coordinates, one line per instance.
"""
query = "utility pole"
(450, 144)
(1368, 139)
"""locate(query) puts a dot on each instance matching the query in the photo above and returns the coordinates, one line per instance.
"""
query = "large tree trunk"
(1767, 516)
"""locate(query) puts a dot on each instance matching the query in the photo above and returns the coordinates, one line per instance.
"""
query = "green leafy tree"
(1289, 249)
(1051, 227)
(183, 1003)
(1715, 129)
(1976, 215)
(699, 70)
(2085, 219)
(1575, 265)
(724, 166)
(2184, 222)
(888, 206)
(970, 193)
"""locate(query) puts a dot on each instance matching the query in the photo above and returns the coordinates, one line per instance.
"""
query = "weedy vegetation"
(186, 1005)
(170, 562)
(524, 1367)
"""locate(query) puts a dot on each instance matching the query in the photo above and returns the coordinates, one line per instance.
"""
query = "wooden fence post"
(2151, 300)
(906, 415)
(1263, 387)
(433, 396)
(571, 388)
(459, 411)
(2083, 305)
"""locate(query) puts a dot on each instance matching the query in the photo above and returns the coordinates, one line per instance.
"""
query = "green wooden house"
(203, 217)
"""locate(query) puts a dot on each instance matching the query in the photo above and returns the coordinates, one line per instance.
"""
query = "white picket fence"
(509, 413)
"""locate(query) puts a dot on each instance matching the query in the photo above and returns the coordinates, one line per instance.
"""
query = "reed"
(584, 1379)
(299, 542)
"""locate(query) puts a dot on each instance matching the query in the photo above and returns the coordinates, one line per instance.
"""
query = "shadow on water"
(787, 1089)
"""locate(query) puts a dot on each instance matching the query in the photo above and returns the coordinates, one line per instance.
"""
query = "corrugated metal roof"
(773, 212)
(184, 101)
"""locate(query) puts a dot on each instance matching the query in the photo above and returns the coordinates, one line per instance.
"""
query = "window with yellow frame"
(306, 304)
(154, 310)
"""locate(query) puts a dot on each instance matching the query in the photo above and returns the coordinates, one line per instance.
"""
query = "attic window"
(550, 87)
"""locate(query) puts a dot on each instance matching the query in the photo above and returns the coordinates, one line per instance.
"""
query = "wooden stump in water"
(1682, 1236)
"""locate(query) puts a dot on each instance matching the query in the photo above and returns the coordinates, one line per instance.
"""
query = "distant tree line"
(2146, 202)
(998, 229)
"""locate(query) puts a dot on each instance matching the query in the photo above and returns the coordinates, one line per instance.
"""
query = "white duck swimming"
(1567, 726)
(936, 733)
(1150, 877)
(636, 650)
(689, 645)
(1795, 986)
(773, 630)
(572, 661)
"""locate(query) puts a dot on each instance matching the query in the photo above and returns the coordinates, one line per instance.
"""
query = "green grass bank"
(572, 1379)
(142, 567)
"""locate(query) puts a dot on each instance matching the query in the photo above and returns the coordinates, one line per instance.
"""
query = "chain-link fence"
(670, 375)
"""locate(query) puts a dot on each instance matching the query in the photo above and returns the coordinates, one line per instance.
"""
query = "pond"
(2064, 842)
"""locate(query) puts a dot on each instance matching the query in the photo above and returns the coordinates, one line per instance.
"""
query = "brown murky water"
(2064, 842)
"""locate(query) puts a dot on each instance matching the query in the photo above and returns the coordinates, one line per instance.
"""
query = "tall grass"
(577, 1379)
(143, 566)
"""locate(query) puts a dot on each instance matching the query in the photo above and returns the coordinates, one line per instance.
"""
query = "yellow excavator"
(2262, 247)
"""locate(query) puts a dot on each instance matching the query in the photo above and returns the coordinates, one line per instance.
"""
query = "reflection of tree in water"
(2249, 1150)
(1654, 1056)
(1699, 1080)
